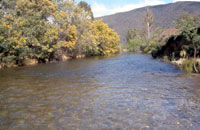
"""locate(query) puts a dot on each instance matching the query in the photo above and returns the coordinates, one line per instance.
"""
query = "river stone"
(29, 62)
(80, 56)
(65, 58)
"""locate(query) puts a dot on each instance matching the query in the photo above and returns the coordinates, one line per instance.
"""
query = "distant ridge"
(165, 15)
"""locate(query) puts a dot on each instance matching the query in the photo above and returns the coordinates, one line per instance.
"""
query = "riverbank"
(63, 58)
(186, 64)
(34, 61)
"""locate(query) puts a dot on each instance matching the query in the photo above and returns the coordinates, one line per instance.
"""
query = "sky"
(107, 7)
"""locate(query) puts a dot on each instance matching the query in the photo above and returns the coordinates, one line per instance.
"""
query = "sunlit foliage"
(38, 29)
(137, 41)
(185, 45)
(146, 40)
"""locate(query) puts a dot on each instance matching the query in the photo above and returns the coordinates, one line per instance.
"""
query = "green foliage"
(132, 33)
(83, 5)
(189, 27)
(185, 22)
(133, 45)
(154, 43)
(186, 44)
(32, 29)
(147, 40)
(137, 41)
(193, 36)
(188, 65)
(197, 21)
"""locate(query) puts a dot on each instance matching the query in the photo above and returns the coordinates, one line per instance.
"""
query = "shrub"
(188, 65)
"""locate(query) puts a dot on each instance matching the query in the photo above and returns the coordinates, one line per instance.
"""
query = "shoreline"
(180, 63)
(34, 62)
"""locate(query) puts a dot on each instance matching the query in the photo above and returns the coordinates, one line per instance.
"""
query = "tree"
(148, 24)
(197, 21)
(193, 36)
(132, 33)
(189, 25)
(135, 40)
(86, 7)
(40, 8)
(46, 30)
(106, 39)
(185, 23)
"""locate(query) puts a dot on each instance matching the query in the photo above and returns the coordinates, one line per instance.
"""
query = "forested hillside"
(165, 15)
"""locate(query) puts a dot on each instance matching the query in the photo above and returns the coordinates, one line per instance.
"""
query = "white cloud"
(185, 0)
(101, 10)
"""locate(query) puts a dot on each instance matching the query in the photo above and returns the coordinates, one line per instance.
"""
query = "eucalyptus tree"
(148, 24)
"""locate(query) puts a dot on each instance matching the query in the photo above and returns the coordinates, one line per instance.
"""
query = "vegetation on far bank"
(185, 46)
(51, 30)
(181, 43)
(146, 40)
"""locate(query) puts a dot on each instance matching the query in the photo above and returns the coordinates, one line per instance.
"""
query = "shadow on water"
(118, 92)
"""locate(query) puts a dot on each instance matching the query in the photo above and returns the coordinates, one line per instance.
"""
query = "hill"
(165, 15)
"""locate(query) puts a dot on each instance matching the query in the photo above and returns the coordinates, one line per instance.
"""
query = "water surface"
(122, 92)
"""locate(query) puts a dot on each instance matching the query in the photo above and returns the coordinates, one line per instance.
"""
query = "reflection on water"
(123, 92)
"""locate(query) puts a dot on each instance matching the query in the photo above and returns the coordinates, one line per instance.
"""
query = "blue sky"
(106, 7)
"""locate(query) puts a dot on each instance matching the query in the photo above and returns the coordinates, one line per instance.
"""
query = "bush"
(133, 46)
(8, 61)
(188, 65)
(38, 32)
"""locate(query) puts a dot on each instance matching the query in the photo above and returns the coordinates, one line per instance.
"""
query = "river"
(119, 92)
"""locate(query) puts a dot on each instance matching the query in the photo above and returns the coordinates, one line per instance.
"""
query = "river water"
(121, 92)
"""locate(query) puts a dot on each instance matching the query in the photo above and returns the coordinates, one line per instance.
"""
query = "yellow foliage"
(38, 28)
(69, 39)
(45, 7)
(106, 38)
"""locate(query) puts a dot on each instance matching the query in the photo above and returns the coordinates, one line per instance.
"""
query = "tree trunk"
(195, 56)
(147, 33)
(148, 30)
